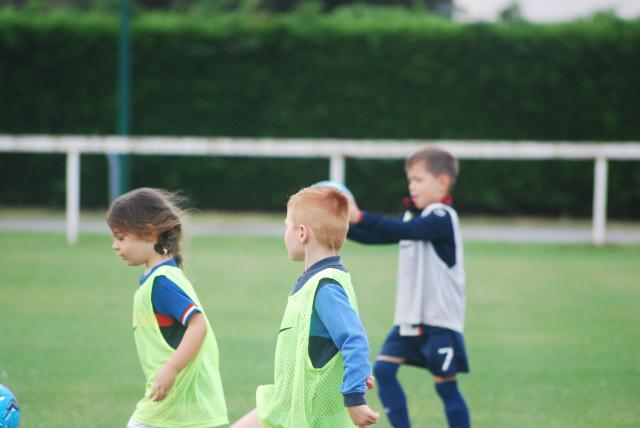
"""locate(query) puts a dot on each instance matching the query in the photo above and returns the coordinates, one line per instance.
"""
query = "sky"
(547, 10)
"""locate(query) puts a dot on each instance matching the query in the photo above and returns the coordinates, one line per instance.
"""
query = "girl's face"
(133, 250)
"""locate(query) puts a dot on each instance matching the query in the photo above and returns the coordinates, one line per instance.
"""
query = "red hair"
(325, 211)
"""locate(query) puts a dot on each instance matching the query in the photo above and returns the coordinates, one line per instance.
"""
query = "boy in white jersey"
(430, 297)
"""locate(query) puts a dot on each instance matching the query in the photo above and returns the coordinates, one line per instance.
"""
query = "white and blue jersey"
(335, 326)
(430, 293)
(172, 307)
(431, 278)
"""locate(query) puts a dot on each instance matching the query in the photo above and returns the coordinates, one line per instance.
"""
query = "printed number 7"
(447, 360)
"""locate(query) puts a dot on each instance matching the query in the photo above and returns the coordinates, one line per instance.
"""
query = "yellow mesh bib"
(304, 396)
(196, 399)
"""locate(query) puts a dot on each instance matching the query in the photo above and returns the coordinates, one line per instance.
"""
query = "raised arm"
(435, 226)
(366, 235)
(358, 233)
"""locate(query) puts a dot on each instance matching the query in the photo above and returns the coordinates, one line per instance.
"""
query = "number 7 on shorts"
(447, 359)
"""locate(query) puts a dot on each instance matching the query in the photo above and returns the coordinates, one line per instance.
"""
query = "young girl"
(176, 346)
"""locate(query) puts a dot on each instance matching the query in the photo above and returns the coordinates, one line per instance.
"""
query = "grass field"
(553, 332)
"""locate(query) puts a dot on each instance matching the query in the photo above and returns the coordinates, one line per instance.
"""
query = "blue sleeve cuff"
(188, 313)
(354, 399)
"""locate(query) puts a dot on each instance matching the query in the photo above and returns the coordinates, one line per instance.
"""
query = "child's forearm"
(437, 225)
(187, 350)
(190, 344)
(365, 235)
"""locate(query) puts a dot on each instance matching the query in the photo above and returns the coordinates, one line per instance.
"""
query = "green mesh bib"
(304, 396)
(196, 399)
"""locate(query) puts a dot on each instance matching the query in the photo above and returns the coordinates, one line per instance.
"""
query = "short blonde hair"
(325, 211)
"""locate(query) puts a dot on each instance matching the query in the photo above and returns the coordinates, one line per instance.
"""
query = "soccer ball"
(335, 185)
(9, 410)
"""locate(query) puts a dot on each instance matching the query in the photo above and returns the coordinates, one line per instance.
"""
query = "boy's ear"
(445, 180)
(303, 233)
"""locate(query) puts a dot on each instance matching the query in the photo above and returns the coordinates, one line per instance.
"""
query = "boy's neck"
(313, 254)
(447, 199)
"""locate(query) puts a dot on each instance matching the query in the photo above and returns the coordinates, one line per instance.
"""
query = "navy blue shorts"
(437, 349)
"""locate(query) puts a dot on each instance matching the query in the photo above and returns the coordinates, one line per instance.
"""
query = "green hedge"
(379, 75)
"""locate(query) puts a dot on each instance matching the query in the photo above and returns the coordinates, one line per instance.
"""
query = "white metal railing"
(335, 150)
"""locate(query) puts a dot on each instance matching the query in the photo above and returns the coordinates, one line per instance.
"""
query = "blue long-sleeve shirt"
(335, 326)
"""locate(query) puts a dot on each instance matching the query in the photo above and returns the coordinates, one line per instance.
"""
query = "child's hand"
(354, 212)
(363, 416)
(370, 382)
(162, 383)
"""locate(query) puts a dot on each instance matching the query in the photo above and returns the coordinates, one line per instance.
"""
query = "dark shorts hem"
(439, 350)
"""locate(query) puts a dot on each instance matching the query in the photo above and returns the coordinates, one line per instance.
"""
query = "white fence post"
(600, 201)
(73, 196)
(336, 169)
